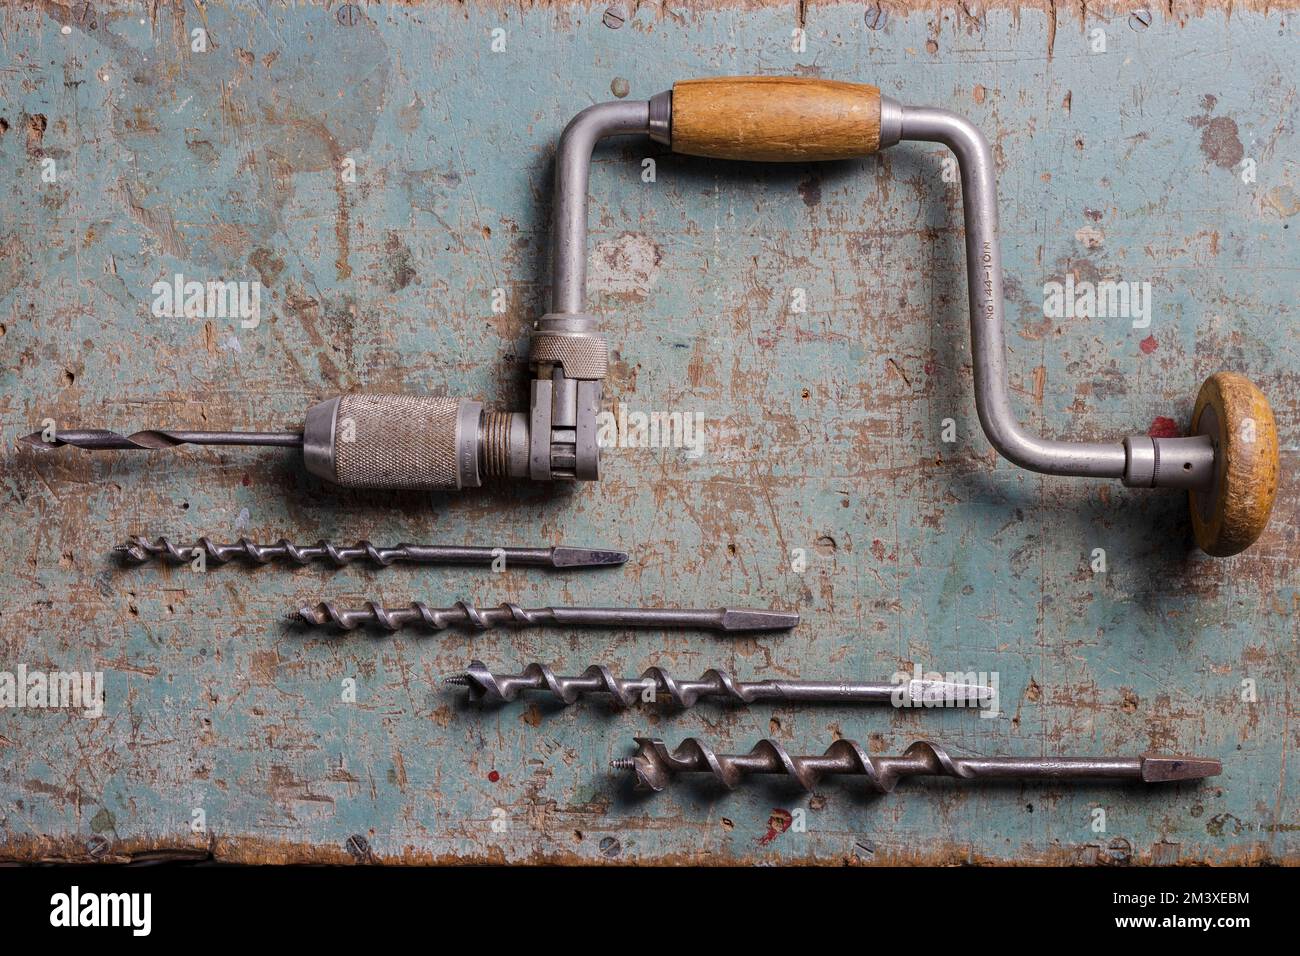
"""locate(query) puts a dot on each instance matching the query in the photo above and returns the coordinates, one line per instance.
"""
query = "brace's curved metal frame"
(1138, 460)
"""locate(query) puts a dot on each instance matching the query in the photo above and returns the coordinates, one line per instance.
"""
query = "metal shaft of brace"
(465, 615)
(660, 687)
(987, 321)
(572, 173)
(138, 550)
(655, 765)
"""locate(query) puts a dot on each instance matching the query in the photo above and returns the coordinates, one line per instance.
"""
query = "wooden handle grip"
(775, 118)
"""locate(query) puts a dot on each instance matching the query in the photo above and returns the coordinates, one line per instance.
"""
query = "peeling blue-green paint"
(824, 426)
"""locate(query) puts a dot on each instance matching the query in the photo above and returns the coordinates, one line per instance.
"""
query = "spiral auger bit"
(464, 615)
(659, 687)
(140, 550)
(655, 765)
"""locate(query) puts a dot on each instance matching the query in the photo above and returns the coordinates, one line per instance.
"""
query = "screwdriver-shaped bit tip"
(945, 692)
(756, 619)
(1168, 769)
(562, 557)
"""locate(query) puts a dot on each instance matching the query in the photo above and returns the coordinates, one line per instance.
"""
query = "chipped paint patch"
(1090, 236)
(626, 266)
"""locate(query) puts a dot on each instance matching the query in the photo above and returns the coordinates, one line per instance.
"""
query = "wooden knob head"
(1232, 513)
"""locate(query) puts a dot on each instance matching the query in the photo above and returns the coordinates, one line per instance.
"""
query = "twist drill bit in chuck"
(657, 686)
(99, 439)
(363, 441)
(467, 616)
(427, 442)
(138, 550)
(654, 765)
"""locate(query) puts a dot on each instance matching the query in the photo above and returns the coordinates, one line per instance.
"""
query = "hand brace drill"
(1228, 462)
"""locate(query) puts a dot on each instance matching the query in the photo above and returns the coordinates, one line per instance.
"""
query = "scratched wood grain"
(824, 426)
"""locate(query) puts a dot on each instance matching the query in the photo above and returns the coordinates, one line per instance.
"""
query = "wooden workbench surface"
(815, 316)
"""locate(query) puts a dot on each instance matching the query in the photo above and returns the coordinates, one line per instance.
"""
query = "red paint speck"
(1163, 427)
(777, 824)
(494, 776)
(878, 549)
(1148, 345)
(247, 481)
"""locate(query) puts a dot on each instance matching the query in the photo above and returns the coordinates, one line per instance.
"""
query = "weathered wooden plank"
(824, 426)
